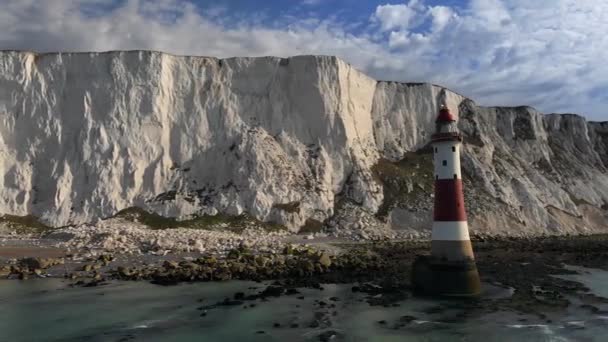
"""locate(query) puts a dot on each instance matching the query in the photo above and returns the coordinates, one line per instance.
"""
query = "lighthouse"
(450, 269)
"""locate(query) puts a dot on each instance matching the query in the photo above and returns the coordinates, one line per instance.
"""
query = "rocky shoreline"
(381, 269)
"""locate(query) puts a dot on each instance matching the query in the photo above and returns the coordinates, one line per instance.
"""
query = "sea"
(52, 310)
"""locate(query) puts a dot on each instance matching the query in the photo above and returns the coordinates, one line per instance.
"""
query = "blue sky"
(549, 54)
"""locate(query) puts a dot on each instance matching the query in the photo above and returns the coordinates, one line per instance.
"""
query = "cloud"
(493, 13)
(441, 16)
(311, 2)
(400, 16)
(398, 39)
(545, 53)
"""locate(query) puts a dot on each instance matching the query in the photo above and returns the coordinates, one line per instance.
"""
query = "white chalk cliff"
(85, 135)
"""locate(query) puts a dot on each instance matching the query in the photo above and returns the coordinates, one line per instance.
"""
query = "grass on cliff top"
(208, 222)
(27, 224)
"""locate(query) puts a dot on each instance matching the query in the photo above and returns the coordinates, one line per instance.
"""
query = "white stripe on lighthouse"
(443, 151)
(451, 230)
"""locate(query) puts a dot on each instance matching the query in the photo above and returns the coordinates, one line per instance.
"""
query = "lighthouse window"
(453, 148)
(445, 163)
(435, 149)
(455, 176)
(436, 176)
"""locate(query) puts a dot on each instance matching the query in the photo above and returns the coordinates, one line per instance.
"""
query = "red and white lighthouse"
(450, 269)
(450, 229)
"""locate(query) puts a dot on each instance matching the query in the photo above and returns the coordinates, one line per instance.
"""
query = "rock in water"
(86, 135)
(41, 263)
(4, 271)
(325, 260)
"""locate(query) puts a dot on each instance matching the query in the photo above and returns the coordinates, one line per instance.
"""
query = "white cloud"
(400, 16)
(492, 13)
(441, 16)
(398, 39)
(311, 2)
(545, 53)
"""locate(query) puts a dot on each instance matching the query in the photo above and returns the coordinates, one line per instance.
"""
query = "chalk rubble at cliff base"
(118, 236)
(124, 237)
(128, 237)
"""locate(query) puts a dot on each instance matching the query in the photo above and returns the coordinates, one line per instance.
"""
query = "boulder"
(325, 260)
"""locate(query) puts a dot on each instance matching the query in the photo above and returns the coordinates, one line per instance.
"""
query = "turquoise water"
(49, 310)
(596, 280)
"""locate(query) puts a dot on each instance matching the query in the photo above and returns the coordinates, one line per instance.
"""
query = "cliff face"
(83, 136)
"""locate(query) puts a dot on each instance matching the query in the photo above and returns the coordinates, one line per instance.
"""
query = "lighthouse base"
(431, 276)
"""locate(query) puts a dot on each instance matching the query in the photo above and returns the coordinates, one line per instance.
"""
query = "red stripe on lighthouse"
(449, 200)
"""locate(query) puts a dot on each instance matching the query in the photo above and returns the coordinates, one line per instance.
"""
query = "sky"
(549, 54)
